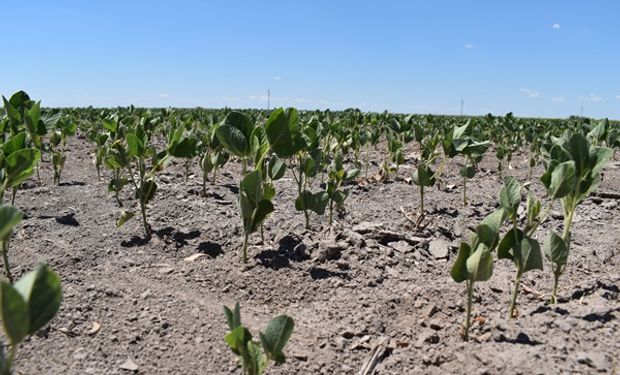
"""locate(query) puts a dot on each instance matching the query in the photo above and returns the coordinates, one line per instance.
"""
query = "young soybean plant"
(518, 244)
(58, 142)
(299, 144)
(573, 172)
(255, 356)
(134, 159)
(25, 308)
(428, 139)
(460, 140)
(475, 260)
(255, 202)
(337, 176)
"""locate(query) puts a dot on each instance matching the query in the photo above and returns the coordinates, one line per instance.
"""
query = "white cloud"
(618, 97)
(276, 78)
(591, 98)
(469, 46)
(164, 95)
(530, 93)
(558, 99)
(555, 26)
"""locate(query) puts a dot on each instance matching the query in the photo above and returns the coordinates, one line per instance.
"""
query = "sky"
(531, 57)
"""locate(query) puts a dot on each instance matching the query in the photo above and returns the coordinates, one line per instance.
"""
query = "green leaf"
(237, 339)
(110, 125)
(423, 176)
(530, 255)
(579, 149)
(555, 250)
(147, 191)
(276, 336)
(186, 148)
(562, 180)
(9, 217)
(459, 269)
(15, 143)
(233, 317)
(234, 140)
(20, 165)
(14, 312)
(135, 145)
(480, 264)
(32, 117)
(282, 130)
(42, 292)
(276, 168)
(510, 196)
(124, 217)
(487, 231)
(316, 202)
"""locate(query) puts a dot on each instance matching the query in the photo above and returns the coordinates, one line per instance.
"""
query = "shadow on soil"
(290, 248)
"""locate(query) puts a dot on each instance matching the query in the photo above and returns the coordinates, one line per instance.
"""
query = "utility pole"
(268, 98)
(462, 102)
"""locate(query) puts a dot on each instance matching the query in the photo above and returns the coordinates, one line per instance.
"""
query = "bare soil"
(372, 279)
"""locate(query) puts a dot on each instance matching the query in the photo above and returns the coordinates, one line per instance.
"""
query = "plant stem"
(464, 191)
(556, 281)
(568, 221)
(421, 200)
(5, 258)
(11, 358)
(515, 292)
(470, 297)
(14, 193)
(244, 251)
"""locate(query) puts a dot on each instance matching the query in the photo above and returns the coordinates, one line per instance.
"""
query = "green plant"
(183, 144)
(256, 355)
(133, 155)
(236, 133)
(26, 307)
(255, 203)
(299, 144)
(518, 244)
(462, 140)
(338, 175)
(428, 138)
(475, 260)
(58, 141)
(573, 172)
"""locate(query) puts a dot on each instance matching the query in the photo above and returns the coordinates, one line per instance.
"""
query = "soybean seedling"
(26, 307)
(518, 244)
(254, 356)
(475, 260)
(573, 172)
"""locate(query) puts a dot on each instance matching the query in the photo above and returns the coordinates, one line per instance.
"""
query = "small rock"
(438, 249)
(609, 205)
(166, 270)
(367, 227)
(401, 246)
(431, 310)
(427, 337)
(129, 365)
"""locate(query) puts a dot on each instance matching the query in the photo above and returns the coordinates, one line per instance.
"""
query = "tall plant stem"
(568, 221)
(421, 200)
(244, 250)
(5, 258)
(515, 293)
(464, 191)
(470, 297)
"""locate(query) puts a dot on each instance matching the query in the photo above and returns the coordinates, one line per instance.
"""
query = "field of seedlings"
(201, 241)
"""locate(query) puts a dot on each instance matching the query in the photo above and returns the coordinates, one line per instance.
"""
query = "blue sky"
(534, 58)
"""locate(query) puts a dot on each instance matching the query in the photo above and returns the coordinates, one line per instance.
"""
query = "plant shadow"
(212, 249)
(290, 248)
